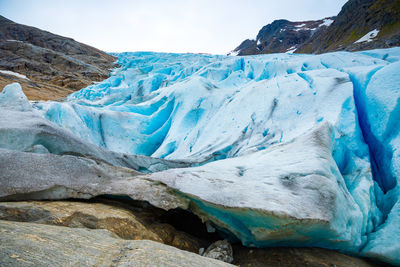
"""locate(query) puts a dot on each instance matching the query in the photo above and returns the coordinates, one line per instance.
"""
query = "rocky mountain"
(360, 25)
(282, 36)
(48, 66)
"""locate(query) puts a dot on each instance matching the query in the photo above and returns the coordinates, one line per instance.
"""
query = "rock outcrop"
(128, 222)
(220, 250)
(55, 66)
(32, 244)
(282, 36)
(360, 25)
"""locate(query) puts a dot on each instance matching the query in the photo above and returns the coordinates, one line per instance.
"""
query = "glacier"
(279, 149)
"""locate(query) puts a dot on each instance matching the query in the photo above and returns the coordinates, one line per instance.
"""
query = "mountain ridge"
(360, 25)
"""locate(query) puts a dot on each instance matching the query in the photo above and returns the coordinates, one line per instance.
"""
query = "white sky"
(208, 26)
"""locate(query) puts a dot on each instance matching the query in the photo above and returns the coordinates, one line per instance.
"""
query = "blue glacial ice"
(286, 149)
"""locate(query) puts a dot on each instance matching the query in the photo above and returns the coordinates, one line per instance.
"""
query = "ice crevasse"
(289, 150)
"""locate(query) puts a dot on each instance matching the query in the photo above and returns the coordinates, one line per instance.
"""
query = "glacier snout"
(282, 149)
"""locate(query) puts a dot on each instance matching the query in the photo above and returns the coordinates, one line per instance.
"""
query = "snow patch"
(18, 75)
(327, 22)
(291, 50)
(12, 40)
(304, 29)
(368, 37)
(234, 53)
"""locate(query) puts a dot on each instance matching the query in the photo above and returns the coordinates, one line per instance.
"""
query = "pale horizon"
(162, 26)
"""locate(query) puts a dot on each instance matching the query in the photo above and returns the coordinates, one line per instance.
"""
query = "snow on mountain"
(327, 22)
(355, 28)
(368, 37)
(281, 35)
(285, 149)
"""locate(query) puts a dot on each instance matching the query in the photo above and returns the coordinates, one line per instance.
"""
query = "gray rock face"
(56, 65)
(281, 36)
(357, 18)
(220, 250)
(30, 244)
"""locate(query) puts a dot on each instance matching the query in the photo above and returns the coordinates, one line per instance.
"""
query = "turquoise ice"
(228, 114)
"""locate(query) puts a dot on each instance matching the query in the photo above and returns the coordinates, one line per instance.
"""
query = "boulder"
(136, 223)
(31, 244)
(220, 250)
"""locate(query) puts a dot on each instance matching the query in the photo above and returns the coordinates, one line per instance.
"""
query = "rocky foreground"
(112, 233)
(29, 244)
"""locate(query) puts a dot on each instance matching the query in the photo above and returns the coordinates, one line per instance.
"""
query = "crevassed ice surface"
(209, 109)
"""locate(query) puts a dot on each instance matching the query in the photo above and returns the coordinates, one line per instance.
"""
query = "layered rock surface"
(31, 244)
(142, 222)
(128, 222)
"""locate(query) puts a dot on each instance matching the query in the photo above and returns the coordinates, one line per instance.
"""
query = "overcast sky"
(209, 26)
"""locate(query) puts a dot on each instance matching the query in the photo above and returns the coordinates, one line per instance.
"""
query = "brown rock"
(134, 224)
(32, 244)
